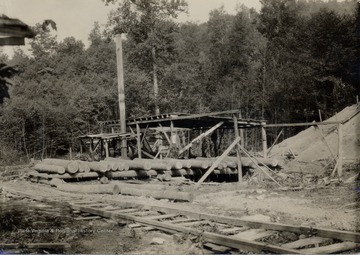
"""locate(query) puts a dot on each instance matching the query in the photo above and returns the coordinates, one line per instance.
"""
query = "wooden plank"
(130, 210)
(305, 242)
(254, 234)
(217, 161)
(232, 230)
(181, 221)
(159, 217)
(96, 205)
(333, 248)
(217, 248)
(113, 209)
(87, 218)
(135, 225)
(304, 124)
(190, 224)
(186, 117)
(35, 245)
(340, 150)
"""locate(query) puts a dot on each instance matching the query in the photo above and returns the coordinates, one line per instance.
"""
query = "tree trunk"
(155, 80)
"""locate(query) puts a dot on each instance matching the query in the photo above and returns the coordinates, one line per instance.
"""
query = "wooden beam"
(217, 161)
(35, 245)
(340, 150)
(138, 140)
(303, 124)
(277, 138)
(305, 242)
(264, 139)
(201, 136)
(121, 93)
(236, 131)
(257, 165)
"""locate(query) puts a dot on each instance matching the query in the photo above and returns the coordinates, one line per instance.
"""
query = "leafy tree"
(148, 25)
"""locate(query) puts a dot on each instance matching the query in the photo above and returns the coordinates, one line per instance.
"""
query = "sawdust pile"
(310, 147)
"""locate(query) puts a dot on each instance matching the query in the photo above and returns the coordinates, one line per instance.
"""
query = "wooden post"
(340, 150)
(236, 131)
(264, 139)
(121, 93)
(138, 140)
(172, 138)
(106, 148)
(242, 141)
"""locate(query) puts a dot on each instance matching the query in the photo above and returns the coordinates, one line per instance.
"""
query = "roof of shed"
(191, 121)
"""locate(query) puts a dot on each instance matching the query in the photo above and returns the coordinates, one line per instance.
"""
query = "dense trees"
(282, 64)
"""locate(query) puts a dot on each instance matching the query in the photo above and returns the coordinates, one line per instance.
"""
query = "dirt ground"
(334, 206)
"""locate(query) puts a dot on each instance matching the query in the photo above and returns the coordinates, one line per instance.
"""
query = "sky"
(76, 17)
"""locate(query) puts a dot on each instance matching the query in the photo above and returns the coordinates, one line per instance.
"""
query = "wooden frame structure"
(206, 123)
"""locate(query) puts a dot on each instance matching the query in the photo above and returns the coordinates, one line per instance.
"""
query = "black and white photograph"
(179, 127)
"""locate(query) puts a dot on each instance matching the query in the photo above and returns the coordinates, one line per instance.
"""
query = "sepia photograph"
(179, 127)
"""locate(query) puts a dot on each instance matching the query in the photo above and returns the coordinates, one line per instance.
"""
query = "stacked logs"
(116, 168)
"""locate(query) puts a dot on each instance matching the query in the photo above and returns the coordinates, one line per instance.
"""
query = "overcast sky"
(76, 17)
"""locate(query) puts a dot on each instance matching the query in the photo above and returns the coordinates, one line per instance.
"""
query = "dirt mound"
(308, 145)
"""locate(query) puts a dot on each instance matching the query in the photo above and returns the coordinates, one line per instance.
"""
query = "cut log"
(175, 163)
(201, 164)
(101, 167)
(131, 173)
(133, 164)
(39, 175)
(45, 168)
(83, 166)
(171, 195)
(70, 166)
(155, 164)
(164, 177)
(185, 163)
(90, 175)
(246, 162)
(88, 188)
(55, 182)
(104, 180)
(144, 186)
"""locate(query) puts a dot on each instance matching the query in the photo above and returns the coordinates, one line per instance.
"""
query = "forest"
(282, 64)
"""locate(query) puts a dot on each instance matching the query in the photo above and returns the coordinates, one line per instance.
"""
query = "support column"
(242, 141)
(106, 148)
(138, 140)
(121, 93)
(236, 131)
(340, 150)
(264, 139)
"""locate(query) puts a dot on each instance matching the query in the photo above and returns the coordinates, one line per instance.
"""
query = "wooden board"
(159, 217)
(254, 234)
(333, 248)
(305, 242)
(233, 230)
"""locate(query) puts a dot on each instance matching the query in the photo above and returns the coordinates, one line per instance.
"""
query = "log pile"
(116, 168)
